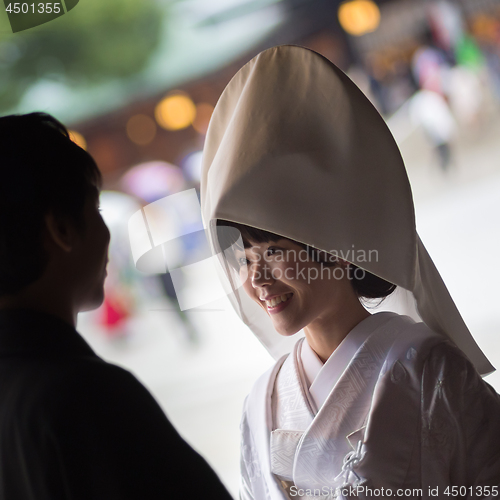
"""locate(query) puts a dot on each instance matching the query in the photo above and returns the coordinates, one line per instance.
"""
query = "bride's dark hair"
(365, 284)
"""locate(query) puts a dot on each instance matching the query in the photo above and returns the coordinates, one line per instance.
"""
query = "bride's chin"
(287, 332)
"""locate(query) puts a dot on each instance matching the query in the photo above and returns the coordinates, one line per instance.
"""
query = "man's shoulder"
(60, 386)
(71, 372)
(65, 397)
(93, 378)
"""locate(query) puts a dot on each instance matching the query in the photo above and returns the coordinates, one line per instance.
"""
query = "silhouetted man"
(72, 426)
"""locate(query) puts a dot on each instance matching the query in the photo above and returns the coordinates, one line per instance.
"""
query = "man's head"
(49, 190)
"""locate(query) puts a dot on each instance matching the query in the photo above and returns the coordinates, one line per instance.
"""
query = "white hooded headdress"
(295, 148)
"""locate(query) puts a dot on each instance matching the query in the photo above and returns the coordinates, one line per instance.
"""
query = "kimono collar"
(28, 332)
(311, 363)
(321, 381)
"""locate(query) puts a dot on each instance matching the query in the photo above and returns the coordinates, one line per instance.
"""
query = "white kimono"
(397, 410)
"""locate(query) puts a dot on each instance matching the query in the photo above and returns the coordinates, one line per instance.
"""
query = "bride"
(309, 207)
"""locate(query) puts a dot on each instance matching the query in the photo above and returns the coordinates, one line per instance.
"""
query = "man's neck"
(42, 302)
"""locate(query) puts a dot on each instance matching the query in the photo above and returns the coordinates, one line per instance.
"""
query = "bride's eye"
(272, 251)
(242, 261)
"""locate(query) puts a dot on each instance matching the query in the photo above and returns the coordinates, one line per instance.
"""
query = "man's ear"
(61, 231)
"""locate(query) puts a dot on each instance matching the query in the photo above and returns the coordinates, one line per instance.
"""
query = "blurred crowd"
(449, 76)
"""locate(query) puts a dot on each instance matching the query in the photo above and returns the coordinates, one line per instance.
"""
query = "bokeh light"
(191, 165)
(141, 129)
(153, 180)
(358, 17)
(175, 112)
(78, 138)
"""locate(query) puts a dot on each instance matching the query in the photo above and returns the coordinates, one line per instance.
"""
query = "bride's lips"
(279, 307)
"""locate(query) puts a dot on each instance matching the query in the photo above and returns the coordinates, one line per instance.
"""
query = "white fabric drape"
(295, 148)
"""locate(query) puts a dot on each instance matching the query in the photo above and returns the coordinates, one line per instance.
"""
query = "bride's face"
(294, 290)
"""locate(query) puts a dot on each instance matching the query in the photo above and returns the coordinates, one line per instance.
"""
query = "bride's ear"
(60, 230)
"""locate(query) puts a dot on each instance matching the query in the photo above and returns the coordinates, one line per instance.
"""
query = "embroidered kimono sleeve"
(460, 425)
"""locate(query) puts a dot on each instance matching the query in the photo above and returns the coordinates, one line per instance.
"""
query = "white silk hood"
(295, 148)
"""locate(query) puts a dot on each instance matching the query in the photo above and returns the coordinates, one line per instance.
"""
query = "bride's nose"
(261, 274)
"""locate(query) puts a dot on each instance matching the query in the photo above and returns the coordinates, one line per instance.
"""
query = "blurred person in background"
(428, 107)
(430, 66)
(72, 426)
(303, 169)
(123, 292)
(431, 111)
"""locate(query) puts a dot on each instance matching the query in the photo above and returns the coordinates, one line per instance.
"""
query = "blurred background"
(136, 82)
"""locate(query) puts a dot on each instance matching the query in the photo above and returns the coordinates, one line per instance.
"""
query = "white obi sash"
(318, 432)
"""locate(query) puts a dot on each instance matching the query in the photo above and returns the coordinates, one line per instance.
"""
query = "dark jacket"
(75, 427)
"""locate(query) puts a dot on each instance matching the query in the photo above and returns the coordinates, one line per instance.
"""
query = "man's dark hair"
(41, 170)
(365, 284)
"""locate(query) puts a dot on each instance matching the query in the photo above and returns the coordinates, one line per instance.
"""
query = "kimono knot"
(352, 460)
